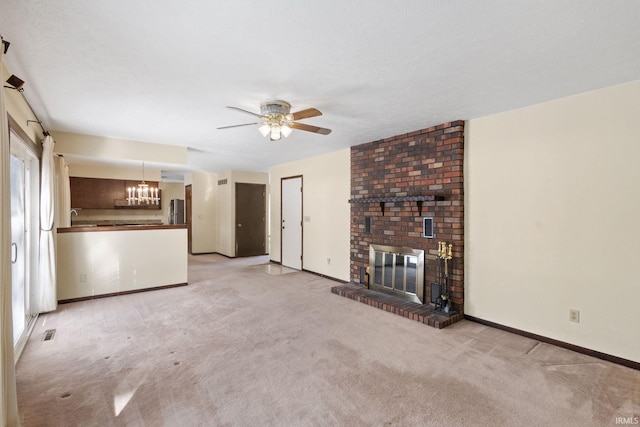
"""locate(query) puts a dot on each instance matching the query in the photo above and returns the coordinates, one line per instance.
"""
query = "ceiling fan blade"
(309, 128)
(305, 114)
(237, 126)
(244, 111)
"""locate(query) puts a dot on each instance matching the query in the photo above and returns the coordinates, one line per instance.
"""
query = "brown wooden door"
(250, 219)
(187, 214)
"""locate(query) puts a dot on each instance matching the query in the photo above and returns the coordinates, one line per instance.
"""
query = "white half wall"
(106, 262)
(326, 187)
(552, 219)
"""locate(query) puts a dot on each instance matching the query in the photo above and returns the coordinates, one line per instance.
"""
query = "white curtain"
(63, 193)
(9, 400)
(47, 258)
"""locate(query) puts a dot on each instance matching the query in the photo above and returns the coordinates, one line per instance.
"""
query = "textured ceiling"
(163, 71)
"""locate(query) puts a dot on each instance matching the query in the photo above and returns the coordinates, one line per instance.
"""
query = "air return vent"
(367, 224)
(427, 227)
(222, 181)
(49, 334)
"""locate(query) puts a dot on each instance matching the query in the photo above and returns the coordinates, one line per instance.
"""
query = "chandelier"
(143, 194)
(277, 119)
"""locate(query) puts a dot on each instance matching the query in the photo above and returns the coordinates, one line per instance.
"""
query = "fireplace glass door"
(397, 270)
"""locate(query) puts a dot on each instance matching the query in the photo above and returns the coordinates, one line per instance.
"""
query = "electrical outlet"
(83, 278)
(574, 316)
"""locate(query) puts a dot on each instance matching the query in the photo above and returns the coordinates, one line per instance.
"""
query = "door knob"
(239, 225)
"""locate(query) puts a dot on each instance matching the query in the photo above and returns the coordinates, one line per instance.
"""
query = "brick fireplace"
(396, 183)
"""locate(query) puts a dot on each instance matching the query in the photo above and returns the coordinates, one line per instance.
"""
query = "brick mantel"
(398, 181)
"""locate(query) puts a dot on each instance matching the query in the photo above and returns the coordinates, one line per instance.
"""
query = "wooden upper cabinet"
(99, 193)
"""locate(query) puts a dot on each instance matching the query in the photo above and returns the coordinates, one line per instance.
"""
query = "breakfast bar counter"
(119, 227)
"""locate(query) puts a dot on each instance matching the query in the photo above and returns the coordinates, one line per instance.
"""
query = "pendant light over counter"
(143, 193)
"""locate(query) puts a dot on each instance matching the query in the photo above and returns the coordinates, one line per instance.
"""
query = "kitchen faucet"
(73, 211)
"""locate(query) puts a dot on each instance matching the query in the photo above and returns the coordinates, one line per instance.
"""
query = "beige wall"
(326, 212)
(87, 169)
(115, 148)
(170, 190)
(213, 216)
(552, 213)
(203, 211)
(224, 215)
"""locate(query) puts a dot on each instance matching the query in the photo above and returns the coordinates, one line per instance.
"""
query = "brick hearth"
(422, 313)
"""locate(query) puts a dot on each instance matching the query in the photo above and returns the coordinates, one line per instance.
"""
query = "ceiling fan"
(278, 121)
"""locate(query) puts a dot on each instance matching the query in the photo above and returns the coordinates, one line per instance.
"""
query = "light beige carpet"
(244, 345)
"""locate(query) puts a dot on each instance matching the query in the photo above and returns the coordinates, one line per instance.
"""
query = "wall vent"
(222, 181)
(427, 228)
(49, 334)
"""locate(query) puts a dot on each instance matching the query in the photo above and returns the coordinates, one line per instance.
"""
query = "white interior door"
(291, 226)
(24, 177)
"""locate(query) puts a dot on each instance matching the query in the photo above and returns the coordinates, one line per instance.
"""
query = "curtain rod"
(37, 120)
(19, 88)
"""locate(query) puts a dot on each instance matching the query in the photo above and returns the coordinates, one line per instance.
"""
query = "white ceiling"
(163, 71)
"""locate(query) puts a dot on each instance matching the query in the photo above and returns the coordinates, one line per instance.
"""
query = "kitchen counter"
(119, 227)
(77, 222)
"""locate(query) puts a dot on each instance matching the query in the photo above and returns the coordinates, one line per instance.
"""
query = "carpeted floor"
(256, 345)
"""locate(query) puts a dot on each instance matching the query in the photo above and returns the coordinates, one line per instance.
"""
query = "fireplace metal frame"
(395, 251)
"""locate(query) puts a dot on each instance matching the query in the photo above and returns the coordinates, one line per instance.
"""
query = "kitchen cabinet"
(100, 193)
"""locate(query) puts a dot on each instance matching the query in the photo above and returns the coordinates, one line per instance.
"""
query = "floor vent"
(49, 334)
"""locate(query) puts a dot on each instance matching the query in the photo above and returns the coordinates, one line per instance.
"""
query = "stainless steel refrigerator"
(176, 211)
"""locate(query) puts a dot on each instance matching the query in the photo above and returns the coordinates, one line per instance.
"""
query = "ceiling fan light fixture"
(285, 130)
(275, 133)
(265, 129)
(279, 121)
(275, 108)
